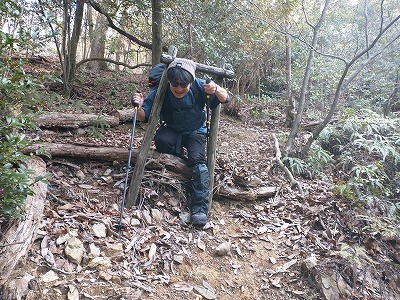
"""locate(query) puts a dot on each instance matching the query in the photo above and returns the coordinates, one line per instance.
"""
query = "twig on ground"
(278, 156)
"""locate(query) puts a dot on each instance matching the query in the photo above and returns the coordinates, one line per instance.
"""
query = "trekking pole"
(119, 227)
(208, 110)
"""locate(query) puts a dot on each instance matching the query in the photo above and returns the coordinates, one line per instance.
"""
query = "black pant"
(169, 141)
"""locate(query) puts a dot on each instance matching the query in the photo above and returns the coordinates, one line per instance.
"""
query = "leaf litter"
(286, 245)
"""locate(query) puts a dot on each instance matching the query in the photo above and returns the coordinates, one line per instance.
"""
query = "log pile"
(154, 161)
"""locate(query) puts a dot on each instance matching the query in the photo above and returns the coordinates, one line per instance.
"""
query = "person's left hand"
(210, 87)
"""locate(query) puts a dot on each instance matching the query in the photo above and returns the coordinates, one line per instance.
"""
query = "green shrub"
(17, 100)
(364, 180)
(367, 153)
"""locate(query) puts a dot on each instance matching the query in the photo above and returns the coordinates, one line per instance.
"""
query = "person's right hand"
(137, 99)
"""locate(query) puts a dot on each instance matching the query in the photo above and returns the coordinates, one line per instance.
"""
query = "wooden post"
(212, 145)
(154, 117)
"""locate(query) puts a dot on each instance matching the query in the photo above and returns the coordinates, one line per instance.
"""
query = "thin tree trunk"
(76, 32)
(306, 79)
(392, 95)
(290, 110)
(156, 26)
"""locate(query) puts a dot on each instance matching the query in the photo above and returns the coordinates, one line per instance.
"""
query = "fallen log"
(65, 120)
(156, 160)
(236, 193)
(124, 115)
(18, 236)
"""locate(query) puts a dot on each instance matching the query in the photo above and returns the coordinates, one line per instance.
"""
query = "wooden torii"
(138, 171)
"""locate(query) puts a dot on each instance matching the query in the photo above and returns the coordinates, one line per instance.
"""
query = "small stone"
(115, 250)
(178, 259)
(107, 179)
(99, 230)
(107, 172)
(100, 263)
(135, 222)
(94, 251)
(74, 250)
(206, 293)
(157, 215)
(223, 249)
(80, 175)
(50, 276)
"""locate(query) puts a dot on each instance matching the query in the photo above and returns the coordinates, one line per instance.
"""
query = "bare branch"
(111, 61)
(110, 21)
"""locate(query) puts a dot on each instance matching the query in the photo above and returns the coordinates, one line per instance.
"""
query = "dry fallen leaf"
(152, 251)
(73, 293)
(201, 245)
(183, 287)
(276, 282)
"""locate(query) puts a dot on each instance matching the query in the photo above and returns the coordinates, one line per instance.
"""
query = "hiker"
(183, 125)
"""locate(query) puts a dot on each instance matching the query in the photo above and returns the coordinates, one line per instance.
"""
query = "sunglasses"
(182, 84)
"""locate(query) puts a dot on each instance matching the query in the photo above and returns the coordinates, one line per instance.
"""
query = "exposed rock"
(74, 250)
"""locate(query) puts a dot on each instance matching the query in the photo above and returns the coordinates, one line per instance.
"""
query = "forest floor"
(290, 246)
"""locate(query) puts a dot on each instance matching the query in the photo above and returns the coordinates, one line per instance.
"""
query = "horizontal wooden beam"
(219, 72)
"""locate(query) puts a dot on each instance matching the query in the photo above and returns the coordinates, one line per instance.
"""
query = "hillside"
(290, 246)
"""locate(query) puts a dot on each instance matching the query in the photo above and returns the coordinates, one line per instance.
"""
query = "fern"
(365, 180)
(296, 165)
(318, 158)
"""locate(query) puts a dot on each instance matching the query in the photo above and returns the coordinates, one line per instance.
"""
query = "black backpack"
(155, 75)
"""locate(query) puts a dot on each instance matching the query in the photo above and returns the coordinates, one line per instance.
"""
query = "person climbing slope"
(183, 119)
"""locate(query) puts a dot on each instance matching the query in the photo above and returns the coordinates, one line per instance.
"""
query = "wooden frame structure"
(138, 171)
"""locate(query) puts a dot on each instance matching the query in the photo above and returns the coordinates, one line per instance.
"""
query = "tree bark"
(156, 27)
(97, 46)
(17, 238)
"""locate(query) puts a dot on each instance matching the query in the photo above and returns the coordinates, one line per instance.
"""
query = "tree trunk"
(392, 96)
(156, 26)
(97, 46)
(76, 32)
(16, 239)
(306, 79)
(290, 109)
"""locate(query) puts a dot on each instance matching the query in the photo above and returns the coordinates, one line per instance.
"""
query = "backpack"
(155, 75)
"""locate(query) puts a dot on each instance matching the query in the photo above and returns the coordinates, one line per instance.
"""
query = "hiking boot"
(199, 219)
(200, 193)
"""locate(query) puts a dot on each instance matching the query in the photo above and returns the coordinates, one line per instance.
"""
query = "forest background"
(333, 64)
